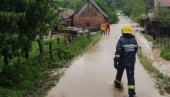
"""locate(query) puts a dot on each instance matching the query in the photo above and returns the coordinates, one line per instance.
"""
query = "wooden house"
(89, 15)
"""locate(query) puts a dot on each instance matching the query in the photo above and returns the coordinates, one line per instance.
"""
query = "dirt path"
(92, 74)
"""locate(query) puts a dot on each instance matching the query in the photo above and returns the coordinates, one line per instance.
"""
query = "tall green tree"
(134, 9)
(108, 7)
(41, 15)
(10, 14)
(162, 15)
(149, 4)
(120, 3)
(23, 21)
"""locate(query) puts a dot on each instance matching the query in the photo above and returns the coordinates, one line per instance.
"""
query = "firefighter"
(125, 58)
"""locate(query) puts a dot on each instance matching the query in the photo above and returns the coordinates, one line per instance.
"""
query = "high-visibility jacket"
(103, 27)
(126, 49)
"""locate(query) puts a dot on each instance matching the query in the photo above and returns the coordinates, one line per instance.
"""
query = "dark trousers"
(130, 75)
(103, 32)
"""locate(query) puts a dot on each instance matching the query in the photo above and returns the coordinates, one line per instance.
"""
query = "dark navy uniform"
(125, 58)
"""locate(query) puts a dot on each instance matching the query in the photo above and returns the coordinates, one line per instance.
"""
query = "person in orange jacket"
(107, 28)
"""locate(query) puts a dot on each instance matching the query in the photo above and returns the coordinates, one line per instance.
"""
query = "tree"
(41, 15)
(108, 8)
(134, 9)
(162, 15)
(10, 14)
(23, 22)
(120, 3)
(149, 4)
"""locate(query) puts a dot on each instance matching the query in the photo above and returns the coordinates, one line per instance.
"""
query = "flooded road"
(92, 74)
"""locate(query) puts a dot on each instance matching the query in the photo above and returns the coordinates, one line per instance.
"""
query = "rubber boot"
(132, 93)
(118, 85)
(132, 96)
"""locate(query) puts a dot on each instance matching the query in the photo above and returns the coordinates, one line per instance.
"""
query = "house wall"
(88, 21)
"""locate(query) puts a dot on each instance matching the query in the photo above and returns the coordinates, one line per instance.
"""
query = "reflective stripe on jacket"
(126, 48)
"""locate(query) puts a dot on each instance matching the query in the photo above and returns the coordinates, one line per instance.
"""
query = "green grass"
(165, 51)
(10, 92)
(30, 78)
(162, 81)
(148, 37)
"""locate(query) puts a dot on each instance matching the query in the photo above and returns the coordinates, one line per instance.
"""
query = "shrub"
(25, 74)
(10, 92)
(165, 53)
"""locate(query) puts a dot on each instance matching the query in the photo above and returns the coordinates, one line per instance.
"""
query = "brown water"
(92, 74)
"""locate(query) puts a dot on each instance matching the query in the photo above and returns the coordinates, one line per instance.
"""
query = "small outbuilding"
(89, 15)
(65, 16)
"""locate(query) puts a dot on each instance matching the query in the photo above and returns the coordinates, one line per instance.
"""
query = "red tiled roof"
(165, 3)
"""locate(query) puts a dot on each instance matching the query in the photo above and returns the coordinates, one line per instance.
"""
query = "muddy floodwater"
(92, 74)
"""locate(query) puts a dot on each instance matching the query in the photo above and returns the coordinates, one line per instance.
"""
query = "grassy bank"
(32, 77)
(148, 37)
(162, 81)
(165, 51)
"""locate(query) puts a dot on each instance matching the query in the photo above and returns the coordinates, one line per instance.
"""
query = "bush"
(10, 93)
(25, 74)
(162, 15)
(134, 9)
(165, 53)
(148, 37)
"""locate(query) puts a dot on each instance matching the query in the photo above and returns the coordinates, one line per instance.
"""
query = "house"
(89, 15)
(65, 16)
(165, 3)
(65, 19)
